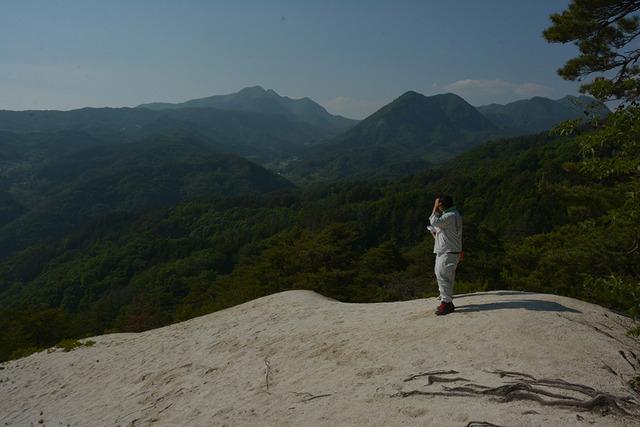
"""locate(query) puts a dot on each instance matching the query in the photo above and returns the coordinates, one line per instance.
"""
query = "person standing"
(446, 228)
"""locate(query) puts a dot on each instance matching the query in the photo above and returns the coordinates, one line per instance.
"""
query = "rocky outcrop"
(297, 358)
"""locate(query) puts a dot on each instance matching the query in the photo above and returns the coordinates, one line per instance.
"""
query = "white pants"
(445, 270)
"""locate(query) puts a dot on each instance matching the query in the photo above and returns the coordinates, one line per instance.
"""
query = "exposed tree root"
(434, 379)
(506, 390)
(481, 424)
(424, 374)
(589, 391)
(634, 356)
(603, 403)
(609, 368)
(165, 408)
(316, 397)
(627, 359)
(546, 392)
(427, 393)
(511, 374)
(310, 396)
(595, 328)
(267, 373)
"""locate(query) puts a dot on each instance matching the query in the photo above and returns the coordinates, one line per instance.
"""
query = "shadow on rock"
(499, 293)
(527, 304)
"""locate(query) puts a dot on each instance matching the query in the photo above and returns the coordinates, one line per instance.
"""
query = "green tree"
(604, 31)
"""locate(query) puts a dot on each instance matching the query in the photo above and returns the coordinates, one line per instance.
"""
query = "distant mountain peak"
(447, 106)
(256, 88)
(402, 137)
(413, 95)
(449, 95)
(410, 94)
(257, 99)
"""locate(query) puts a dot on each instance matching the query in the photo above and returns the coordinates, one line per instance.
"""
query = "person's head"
(446, 201)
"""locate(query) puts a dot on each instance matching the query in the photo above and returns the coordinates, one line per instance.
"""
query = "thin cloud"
(488, 91)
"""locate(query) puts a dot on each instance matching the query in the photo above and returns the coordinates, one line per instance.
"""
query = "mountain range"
(258, 100)
(254, 123)
(299, 138)
(62, 169)
(416, 131)
(539, 114)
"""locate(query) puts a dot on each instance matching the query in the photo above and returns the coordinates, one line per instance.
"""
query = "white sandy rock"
(299, 359)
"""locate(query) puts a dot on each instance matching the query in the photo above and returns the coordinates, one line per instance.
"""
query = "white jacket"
(448, 229)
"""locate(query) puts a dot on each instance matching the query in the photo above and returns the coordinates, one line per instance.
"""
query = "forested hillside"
(403, 137)
(534, 220)
(51, 189)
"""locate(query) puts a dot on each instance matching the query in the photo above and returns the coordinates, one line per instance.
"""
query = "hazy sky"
(350, 56)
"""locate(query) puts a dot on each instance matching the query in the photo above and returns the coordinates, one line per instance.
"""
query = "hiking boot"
(445, 308)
